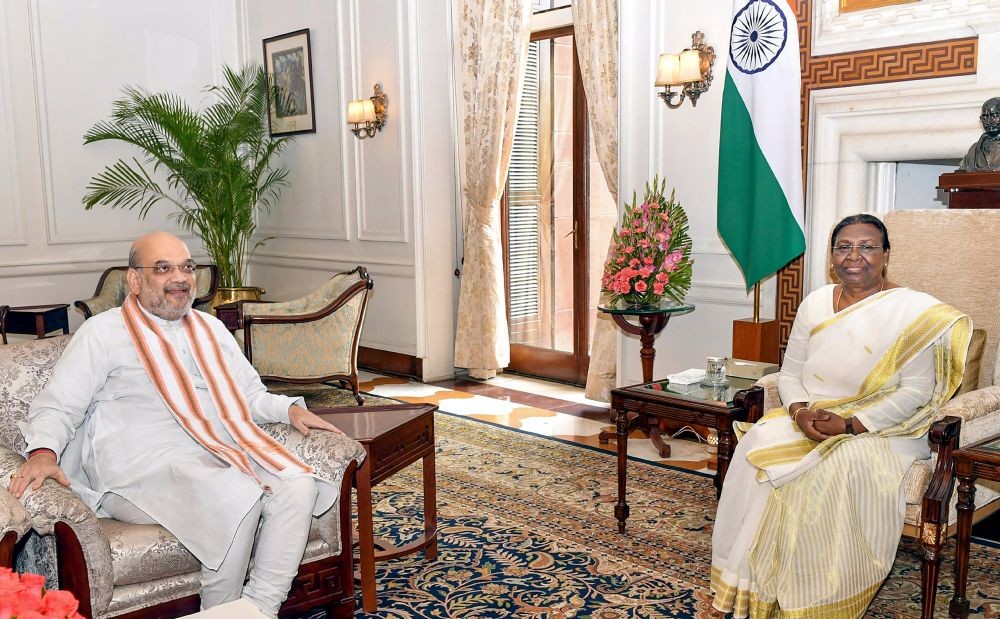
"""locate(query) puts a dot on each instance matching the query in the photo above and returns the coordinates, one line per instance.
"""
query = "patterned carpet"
(526, 529)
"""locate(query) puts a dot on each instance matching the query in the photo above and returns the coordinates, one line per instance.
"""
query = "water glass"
(715, 371)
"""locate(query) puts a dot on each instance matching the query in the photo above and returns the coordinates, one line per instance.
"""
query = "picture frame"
(288, 64)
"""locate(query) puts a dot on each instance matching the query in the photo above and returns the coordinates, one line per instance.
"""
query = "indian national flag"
(760, 212)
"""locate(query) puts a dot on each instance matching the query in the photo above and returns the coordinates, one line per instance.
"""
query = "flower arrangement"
(650, 253)
(23, 596)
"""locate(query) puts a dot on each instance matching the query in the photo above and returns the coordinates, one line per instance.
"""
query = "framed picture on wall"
(288, 63)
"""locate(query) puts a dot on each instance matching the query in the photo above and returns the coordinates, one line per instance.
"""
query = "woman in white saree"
(812, 507)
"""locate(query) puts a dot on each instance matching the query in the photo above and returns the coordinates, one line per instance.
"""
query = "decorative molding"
(13, 232)
(893, 64)
(853, 130)
(847, 6)
(312, 262)
(719, 293)
(881, 195)
(389, 362)
(399, 116)
(836, 31)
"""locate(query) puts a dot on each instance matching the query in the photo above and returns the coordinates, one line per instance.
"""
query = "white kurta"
(101, 413)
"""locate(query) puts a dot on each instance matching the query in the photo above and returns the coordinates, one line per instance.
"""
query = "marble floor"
(540, 407)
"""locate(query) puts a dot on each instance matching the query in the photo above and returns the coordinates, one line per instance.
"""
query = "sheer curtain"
(493, 47)
(595, 25)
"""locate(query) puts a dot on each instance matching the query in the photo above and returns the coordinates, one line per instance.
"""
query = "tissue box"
(753, 370)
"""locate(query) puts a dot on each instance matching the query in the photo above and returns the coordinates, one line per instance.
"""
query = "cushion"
(970, 381)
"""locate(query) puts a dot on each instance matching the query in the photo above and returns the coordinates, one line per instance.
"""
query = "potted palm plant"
(217, 167)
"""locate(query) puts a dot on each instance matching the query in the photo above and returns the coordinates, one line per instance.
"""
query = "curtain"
(595, 26)
(493, 46)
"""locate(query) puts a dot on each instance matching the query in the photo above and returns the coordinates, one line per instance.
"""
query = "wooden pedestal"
(755, 341)
(971, 189)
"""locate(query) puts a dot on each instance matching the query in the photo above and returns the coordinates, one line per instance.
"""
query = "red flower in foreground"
(22, 596)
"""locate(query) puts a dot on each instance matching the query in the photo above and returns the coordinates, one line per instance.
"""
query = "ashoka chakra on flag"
(759, 35)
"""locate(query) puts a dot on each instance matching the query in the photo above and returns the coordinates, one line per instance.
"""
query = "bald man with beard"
(152, 416)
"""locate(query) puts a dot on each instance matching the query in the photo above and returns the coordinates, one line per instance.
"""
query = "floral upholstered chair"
(112, 290)
(114, 568)
(313, 339)
(967, 276)
(14, 520)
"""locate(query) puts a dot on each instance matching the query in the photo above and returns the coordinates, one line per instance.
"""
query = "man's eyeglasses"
(865, 249)
(163, 268)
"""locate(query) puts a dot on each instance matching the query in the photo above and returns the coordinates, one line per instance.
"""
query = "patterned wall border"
(874, 66)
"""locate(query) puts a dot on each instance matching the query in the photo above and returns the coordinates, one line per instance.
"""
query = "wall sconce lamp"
(367, 115)
(691, 70)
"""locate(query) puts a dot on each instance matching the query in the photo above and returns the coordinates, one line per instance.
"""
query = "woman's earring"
(885, 269)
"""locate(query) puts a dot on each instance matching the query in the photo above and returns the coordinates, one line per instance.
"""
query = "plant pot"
(230, 295)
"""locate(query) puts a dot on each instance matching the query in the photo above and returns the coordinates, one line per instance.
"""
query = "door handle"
(573, 232)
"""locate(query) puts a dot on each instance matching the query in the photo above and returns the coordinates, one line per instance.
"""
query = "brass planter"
(230, 295)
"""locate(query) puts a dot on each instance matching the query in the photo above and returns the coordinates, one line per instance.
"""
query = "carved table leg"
(959, 606)
(621, 507)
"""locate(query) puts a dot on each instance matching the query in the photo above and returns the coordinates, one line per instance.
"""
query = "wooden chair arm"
(944, 436)
(751, 401)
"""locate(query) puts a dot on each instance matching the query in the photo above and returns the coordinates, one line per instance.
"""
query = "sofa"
(117, 569)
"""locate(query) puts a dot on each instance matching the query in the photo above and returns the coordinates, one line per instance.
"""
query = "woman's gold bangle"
(796, 413)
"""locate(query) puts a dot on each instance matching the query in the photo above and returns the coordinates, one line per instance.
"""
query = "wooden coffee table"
(712, 407)
(394, 437)
(979, 460)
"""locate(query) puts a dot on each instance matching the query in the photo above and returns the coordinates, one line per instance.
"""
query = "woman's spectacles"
(865, 249)
(162, 268)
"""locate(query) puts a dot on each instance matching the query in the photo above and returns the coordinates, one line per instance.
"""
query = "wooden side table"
(394, 437)
(652, 319)
(713, 407)
(979, 460)
(35, 320)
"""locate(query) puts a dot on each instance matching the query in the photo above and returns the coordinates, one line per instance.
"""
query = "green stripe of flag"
(754, 218)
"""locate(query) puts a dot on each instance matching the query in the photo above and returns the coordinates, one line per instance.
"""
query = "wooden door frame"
(559, 365)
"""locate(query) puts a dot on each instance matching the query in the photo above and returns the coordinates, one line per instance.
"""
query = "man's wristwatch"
(849, 425)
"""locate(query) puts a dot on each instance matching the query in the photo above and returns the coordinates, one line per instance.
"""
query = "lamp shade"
(690, 66)
(668, 70)
(360, 111)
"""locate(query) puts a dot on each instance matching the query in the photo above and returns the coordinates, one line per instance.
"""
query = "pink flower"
(630, 249)
(645, 272)
(662, 277)
(658, 288)
(621, 260)
(633, 262)
(640, 286)
(647, 260)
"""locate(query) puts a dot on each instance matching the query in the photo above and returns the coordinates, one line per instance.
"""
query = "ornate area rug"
(527, 529)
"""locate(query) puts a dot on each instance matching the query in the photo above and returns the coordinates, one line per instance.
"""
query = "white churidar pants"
(280, 524)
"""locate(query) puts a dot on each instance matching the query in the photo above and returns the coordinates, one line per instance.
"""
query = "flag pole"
(756, 302)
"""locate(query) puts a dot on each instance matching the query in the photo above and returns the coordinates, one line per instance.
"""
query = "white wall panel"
(12, 230)
(313, 205)
(384, 177)
(84, 53)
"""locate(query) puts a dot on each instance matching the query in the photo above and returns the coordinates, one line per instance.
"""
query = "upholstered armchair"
(14, 519)
(112, 290)
(117, 569)
(949, 254)
(312, 339)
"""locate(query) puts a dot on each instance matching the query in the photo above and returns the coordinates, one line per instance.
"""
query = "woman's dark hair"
(861, 218)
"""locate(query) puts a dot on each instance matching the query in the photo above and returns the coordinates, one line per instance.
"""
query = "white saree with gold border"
(809, 529)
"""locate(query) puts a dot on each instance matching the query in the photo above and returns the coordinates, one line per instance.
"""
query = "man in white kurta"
(127, 456)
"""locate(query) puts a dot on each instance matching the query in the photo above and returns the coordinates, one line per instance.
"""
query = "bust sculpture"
(984, 155)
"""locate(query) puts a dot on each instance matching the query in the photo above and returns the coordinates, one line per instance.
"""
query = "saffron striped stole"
(172, 381)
